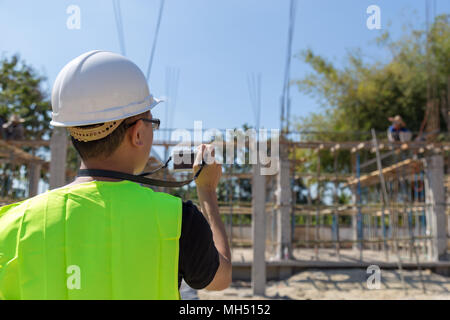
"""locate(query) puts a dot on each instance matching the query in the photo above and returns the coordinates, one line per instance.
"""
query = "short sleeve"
(199, 258)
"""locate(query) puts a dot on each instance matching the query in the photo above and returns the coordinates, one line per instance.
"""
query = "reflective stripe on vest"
(94, 240)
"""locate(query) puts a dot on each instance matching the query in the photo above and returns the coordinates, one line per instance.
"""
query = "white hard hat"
(99, 87)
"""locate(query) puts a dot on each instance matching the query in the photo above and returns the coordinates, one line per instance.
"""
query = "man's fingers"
(212, 172)
(209, 153)
(213, 150)
(199, 155)
(205, 152)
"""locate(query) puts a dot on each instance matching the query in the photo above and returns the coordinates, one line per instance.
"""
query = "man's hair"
(106, 146)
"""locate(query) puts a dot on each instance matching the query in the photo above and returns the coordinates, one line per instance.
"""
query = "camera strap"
(139, 178)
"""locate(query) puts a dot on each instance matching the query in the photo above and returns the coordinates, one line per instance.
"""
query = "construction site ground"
(347, 281)
(341, 284)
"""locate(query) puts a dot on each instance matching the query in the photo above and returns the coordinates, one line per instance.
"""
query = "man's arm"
(207, 183)
(198, 257)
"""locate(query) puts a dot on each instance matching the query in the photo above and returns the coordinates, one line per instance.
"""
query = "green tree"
(361, 95)
(22, 93)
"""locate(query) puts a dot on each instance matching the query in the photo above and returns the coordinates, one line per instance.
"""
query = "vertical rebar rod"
(285, 96)
(369, 226)
(230, 200)
(155, 38)
(317, 231)
(391, 217)
(241, 233)
(335, 215)
(294, 200)
(308, 217)
(383, 225)
(412, 239)
(119, 26)
(359, 217)
(423, 219)
(386, 201)
(415, 201)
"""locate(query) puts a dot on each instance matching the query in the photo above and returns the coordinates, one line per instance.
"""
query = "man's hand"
(211, 173)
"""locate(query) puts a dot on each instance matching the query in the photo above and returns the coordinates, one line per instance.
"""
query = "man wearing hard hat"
(398, 131)
(111, 238)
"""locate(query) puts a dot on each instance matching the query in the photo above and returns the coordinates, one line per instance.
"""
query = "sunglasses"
(155, 123)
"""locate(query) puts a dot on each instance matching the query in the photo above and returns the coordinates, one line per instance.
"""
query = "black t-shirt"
(198, 256)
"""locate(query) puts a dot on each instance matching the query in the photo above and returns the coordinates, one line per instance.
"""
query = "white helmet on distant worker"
(99, 87)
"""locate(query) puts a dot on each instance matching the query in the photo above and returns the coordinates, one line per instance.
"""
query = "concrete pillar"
(259, 231)
(435, 208)
(58, 150)
(34, 171)
(284, 205)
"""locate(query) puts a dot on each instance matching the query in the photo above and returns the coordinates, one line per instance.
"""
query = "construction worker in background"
(105, 238)
(397, 130)
(13, 129)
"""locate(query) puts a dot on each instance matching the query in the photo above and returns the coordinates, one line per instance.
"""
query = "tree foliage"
(361, 95)
(22, 93)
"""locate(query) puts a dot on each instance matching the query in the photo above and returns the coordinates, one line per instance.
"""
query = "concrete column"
(58, 150)
(435, 208)
(259, 231)
(33, 179)
(284, 199)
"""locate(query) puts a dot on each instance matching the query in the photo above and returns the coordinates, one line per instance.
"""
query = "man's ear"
(136, 134)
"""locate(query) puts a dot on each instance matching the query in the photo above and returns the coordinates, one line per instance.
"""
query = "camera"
(183, 159)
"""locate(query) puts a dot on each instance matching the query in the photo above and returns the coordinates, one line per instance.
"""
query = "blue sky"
(214, 44)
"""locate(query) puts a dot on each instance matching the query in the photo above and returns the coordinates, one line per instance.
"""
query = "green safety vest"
(94, 240)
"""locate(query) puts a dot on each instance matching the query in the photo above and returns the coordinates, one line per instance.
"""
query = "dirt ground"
(341, 285)
(329, 255)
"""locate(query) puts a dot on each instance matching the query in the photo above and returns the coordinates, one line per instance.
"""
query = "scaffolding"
(320, 223)
(341, 220)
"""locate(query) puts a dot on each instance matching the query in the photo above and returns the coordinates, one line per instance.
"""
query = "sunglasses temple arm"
(156, 170)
